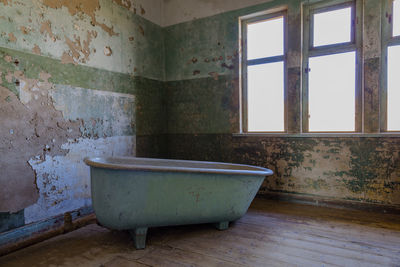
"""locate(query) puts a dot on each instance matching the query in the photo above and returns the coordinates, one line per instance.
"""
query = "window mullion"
(244, 103)
(306, 45)
(293, 68)
(332, 49)
(358, 35)
(264, 60)
(387, 28)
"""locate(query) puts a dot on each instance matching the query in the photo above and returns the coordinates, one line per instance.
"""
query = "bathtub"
(137, 193)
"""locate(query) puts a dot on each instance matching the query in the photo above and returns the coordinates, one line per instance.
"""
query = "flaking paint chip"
(107, 51)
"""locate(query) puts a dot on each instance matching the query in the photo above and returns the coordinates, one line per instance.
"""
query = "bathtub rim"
(101, 162)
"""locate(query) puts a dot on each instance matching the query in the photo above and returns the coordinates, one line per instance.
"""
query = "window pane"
(332, 93)
(332, 27)
(393, 94)
(396, 18)
(265, 39)
(265, 98)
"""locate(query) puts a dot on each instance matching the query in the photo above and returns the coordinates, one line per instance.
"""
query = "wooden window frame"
(387, 40)
(309, 51)
(245, 63)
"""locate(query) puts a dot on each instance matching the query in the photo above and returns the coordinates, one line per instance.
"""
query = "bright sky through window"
(332, 99)
(265, 98)
(393, 92)
(265, 38)
(396, 18)
(332, 27)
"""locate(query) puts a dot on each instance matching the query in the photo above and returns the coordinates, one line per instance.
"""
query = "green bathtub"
(137, 193)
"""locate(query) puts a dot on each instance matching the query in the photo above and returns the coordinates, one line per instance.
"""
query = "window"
(264, 73)
(391, 53)
(330, 51)
(322, 66)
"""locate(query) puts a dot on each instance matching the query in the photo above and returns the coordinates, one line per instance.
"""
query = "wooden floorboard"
(271, 234)
(308, 240)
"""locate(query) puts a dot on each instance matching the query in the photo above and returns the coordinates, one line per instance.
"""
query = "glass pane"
(265, 98)
(332, 93)
(332, 27)
(265, 38)
(396, 18)
(393, 94)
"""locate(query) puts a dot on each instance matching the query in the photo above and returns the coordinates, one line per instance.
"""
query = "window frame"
(387, 40)
(244, 21)
(309, 51)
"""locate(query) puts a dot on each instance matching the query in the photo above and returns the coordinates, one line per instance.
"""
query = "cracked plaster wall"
(72, 75)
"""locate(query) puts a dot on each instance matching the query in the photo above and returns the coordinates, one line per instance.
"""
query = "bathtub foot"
(139, 237)
(222, 225)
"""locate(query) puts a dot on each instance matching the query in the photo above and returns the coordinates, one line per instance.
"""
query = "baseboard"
(39, 231)
(331, 202)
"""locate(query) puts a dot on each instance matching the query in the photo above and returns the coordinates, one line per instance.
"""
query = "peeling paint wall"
(203, 112)
(77, 32)
(64, 181)
(359, 169)
(74, 77)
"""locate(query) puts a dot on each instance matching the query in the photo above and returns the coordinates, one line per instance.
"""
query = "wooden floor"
(271, 234)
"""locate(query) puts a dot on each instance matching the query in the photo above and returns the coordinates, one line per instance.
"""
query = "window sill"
(318, 135)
